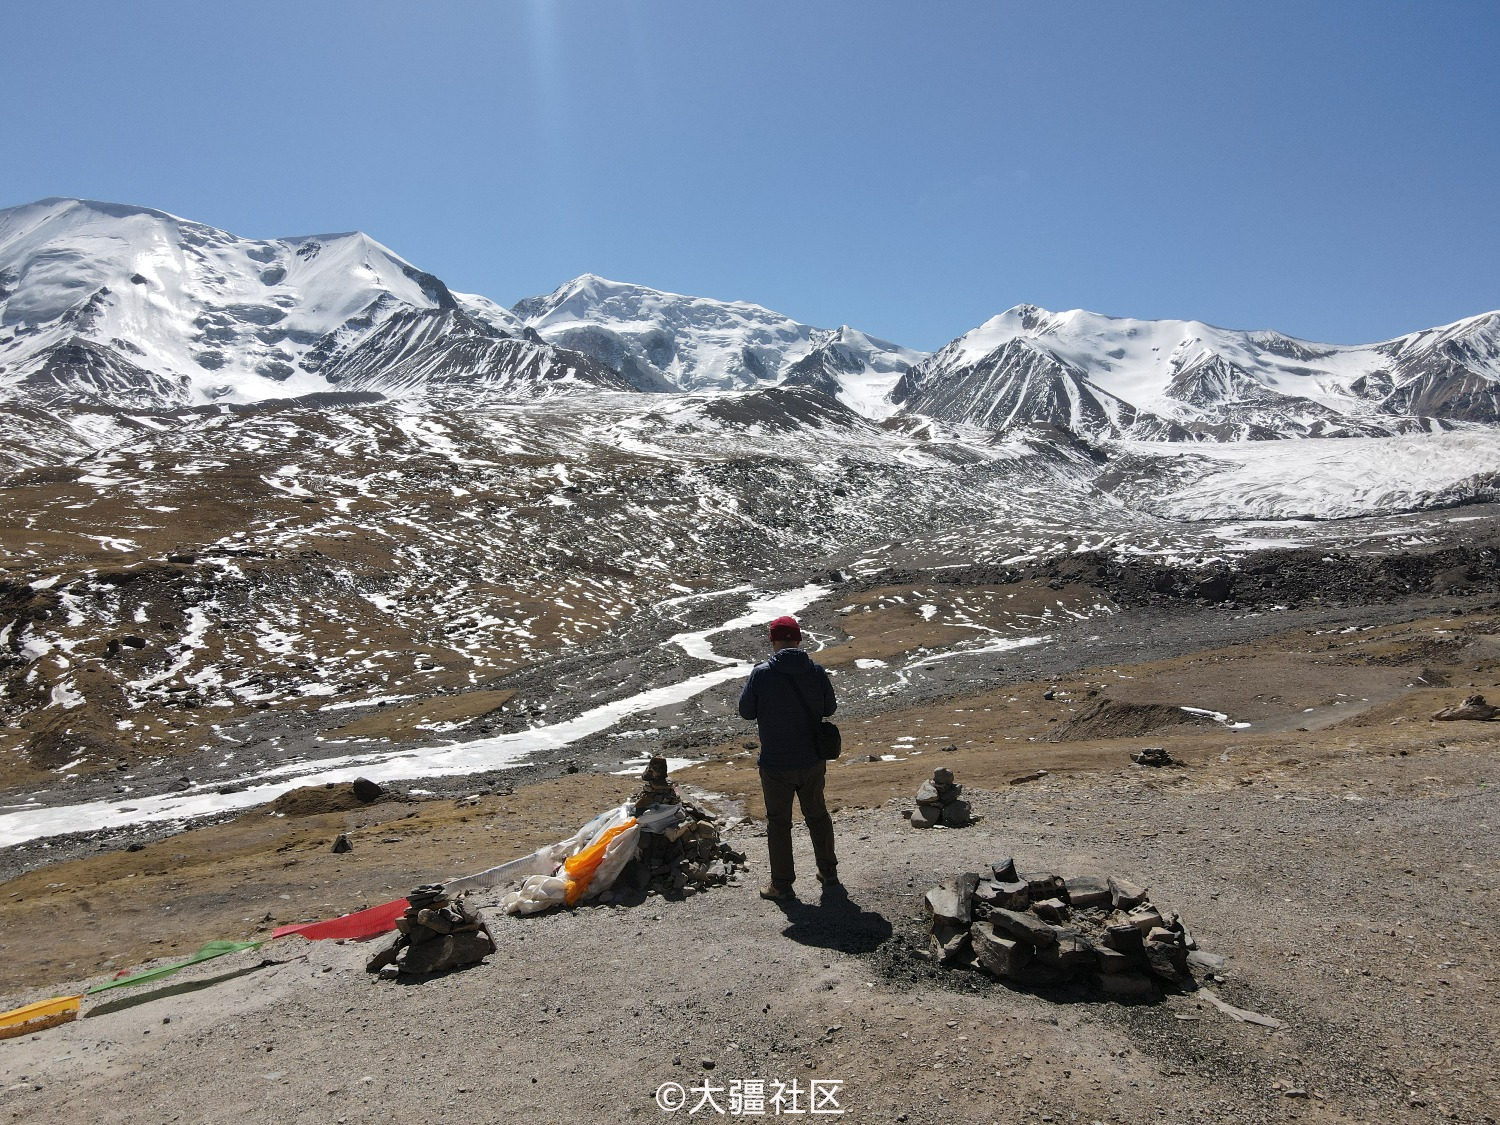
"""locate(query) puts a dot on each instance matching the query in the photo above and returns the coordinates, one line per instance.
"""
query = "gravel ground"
(1365, 925)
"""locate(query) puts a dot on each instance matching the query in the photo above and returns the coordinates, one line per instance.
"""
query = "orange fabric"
(580, 868)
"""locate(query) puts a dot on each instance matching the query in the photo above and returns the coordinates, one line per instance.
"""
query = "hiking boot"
(777, 893)
(830, 882)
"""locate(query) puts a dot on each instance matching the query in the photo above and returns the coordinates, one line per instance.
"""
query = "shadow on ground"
(835, 922)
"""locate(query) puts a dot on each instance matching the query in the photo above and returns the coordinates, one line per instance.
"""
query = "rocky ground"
(1338, 851)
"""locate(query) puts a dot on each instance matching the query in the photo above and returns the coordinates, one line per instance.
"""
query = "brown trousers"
(779, 787)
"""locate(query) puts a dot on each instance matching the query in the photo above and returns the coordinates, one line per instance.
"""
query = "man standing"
(786, 696)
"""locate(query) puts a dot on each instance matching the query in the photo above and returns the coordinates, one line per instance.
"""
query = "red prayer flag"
(358, 926)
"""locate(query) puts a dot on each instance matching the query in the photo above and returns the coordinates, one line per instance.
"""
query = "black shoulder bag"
(826, 736)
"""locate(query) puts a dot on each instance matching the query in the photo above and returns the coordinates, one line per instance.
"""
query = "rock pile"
(1044, 929)
(682, 860)
(435, 934)
(680, 852)
(940, 801)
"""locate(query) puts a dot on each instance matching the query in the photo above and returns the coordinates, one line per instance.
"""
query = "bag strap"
(802, 699)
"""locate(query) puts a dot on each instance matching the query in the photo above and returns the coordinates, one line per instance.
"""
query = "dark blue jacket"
(770, 698)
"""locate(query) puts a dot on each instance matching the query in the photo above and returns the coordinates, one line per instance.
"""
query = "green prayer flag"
(207, 953)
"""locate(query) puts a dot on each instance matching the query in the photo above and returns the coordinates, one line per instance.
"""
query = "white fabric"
(543, 861)
(659, 818)
(542, 882)
(535, 894)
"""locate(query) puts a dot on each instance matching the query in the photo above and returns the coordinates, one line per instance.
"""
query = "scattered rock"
(1153, 756)
(1000, 956)
(1034, 775)
(1124, 894)
(1086, 890)
(1473, 707)
(342, 844)
(1023, 927)
(366, 790)
(947, 904)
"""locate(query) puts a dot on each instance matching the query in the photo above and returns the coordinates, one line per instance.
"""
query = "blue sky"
(1329, 169)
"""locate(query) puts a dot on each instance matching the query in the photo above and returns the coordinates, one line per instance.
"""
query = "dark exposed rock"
(1124, 894)
(956, 814)
(949, 942)
(1110, 719)
(997, 954)
(1152, 756)
(1474, 707)
(655, 788)
(947, 904)
(1086, 890)
(1168, 957)
(1024, 927)
(1050, 910)
(1070, 955)
(1045, 885)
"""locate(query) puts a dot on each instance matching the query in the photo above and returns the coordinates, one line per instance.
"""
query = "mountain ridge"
(1208, 383)
(127, 306)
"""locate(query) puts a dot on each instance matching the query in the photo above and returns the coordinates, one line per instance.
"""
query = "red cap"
(786, 629)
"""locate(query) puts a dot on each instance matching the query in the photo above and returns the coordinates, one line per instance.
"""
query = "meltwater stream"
(23, 823)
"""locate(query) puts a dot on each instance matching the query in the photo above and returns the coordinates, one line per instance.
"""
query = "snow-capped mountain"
(667, 341)
(1106, 377)
(257, 487)
(126, 307)
(134, 307)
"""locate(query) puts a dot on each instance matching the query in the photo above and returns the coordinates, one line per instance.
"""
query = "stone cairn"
(684, 859)
(1043, 929)
(435, 934)
(656, 789)
(940, 802)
